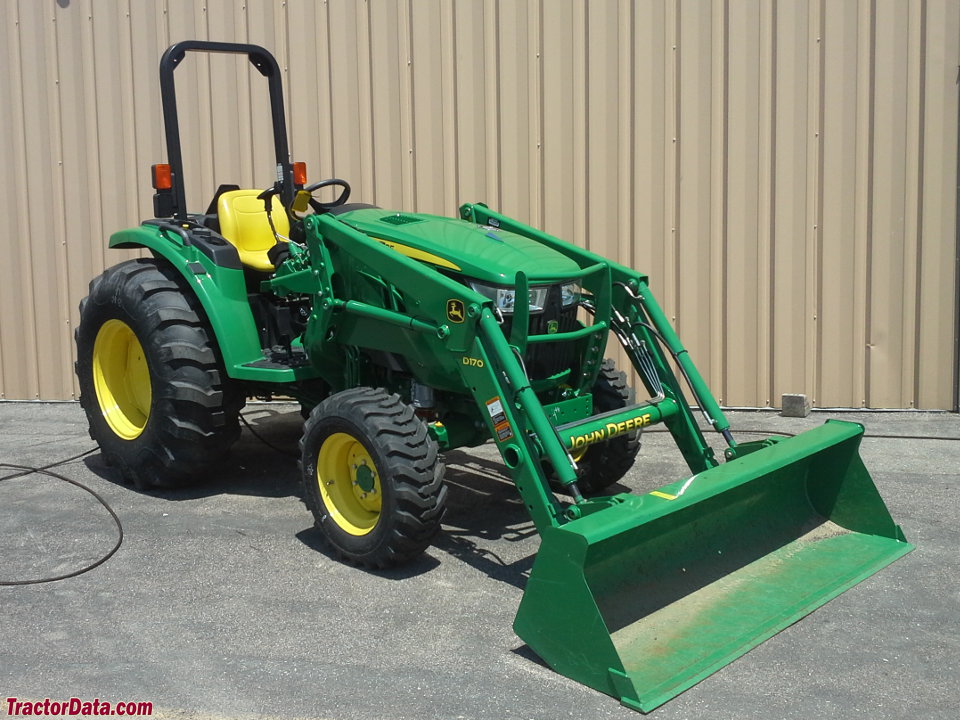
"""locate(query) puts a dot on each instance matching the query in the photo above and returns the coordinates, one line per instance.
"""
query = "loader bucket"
(646, 597)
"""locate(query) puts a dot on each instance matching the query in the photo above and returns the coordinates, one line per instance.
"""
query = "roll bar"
(263, 61)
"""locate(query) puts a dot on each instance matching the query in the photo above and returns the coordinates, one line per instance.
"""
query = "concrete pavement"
(222, 603)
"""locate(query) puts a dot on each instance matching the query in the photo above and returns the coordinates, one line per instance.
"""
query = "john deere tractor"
(406, 335)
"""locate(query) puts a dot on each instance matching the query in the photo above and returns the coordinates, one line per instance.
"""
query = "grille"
(549, 358)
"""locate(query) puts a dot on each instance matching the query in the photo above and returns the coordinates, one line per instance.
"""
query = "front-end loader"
(406, 335)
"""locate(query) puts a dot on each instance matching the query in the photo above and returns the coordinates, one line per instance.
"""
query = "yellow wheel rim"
(121, 379)
(349, 484)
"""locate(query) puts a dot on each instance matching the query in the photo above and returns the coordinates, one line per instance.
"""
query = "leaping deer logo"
(455, 312)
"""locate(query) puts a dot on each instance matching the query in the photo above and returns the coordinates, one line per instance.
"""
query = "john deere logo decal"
(552, 327)
(455, 313)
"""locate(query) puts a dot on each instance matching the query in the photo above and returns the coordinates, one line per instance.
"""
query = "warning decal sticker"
(501, 425)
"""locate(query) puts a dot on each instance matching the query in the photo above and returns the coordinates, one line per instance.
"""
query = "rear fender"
(221, 291)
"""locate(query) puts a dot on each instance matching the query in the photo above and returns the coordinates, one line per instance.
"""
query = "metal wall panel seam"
(290, 83)
(204, 147)
(603, 104)
(81, 155)
(626, 159)
(560, 155)
(59, 215)
(471, 93)
(189, 80)
(716, 291)
(814, 188)
(226, 76)
(265, 32)
(40, 157)
(956, 264)
(511, 160)
(113, 125)
(839, 44)
(448, 50)
(790, 287)
(30, 346)
(281, 36)
(325, 91)
(418, 93)
(144, 105)
(94, 171)
(765, 210)
(889, 208)
(912, 247)
(956, 282)
(647, 73)
(818, 294)
(135, 189)
(5, 245)
(247, 132)
(541, 104)
(692, 141)
(491, 81)
(390, 121)
(670, 294)
(7, 83)
(939, 203)
(300, 104)
(361, 169)
(626, 151)
(587, 213)
(580, 126)
(863, 235)
(407, 117)
(365, 97)
(535, 113)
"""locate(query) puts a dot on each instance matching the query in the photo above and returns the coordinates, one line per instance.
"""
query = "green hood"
(481, 252)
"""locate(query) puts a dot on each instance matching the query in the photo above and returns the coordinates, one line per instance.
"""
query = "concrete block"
(794, 405)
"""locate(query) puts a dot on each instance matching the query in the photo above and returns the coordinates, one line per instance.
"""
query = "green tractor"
(407, 335)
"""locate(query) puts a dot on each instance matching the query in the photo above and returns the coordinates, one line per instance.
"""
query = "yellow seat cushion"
(243, 222)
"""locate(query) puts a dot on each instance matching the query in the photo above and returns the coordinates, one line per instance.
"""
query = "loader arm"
(644, 332)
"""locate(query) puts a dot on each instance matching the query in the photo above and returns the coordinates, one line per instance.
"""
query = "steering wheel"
(325, 206)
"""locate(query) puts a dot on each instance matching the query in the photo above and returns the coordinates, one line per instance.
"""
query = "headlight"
(570, 294)
(505, 298)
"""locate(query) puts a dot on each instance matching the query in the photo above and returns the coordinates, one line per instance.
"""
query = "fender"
(222, 293)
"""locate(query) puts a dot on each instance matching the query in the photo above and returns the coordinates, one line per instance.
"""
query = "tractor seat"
(243, 222)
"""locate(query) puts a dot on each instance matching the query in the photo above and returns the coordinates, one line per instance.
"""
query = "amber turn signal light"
(162, 179)
(299, 173)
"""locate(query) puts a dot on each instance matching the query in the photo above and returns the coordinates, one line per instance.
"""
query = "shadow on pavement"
(483, 506)
(313, 539)
(264, 465)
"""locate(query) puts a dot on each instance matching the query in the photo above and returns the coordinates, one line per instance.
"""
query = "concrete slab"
(221, 601)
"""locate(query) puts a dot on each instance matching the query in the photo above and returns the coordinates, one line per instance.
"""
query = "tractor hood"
(484, 253)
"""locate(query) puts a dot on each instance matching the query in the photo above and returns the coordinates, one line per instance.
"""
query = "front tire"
(372, 477)
(151, 382)
(603, 464)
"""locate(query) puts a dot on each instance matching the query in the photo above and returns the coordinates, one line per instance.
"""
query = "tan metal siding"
(784, 171)
(938, 181)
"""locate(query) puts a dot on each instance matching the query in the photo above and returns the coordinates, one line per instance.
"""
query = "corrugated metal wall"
(786, 172)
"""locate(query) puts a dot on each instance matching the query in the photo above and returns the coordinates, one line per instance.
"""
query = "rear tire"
(606, 463)
(372, 477)
(151, 380)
